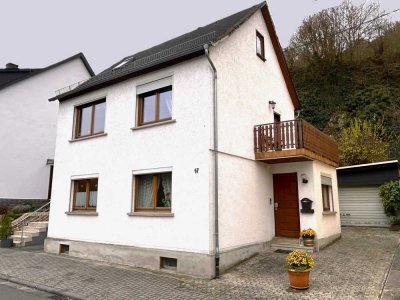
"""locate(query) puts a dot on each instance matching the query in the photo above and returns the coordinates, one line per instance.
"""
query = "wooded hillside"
(345, 65)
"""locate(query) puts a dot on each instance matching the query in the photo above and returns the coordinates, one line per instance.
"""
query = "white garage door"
(361, 206)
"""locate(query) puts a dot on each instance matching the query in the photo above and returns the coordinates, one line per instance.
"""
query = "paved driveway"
(353, 268)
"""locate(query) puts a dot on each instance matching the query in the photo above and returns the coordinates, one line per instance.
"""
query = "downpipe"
(215, 144)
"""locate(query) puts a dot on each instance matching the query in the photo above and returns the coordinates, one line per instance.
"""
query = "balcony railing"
(293, 135)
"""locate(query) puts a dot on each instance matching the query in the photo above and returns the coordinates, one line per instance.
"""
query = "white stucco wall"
(28, 130)
(305, 190)
(246, 84)
(182, 146)
(326, 225)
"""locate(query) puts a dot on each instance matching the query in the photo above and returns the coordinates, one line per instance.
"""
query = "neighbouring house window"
(260, 46)
(153, 192)
(155, 106)
(90, 119)
(85, 194)
(327, 198)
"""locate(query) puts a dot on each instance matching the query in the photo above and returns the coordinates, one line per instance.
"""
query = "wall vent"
(168, 263)
(64, 249)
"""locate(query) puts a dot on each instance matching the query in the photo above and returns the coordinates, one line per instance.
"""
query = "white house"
(28, 126)
(160, 162)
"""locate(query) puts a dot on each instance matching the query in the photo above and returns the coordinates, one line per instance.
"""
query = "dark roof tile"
(11, 76)
(185, 46)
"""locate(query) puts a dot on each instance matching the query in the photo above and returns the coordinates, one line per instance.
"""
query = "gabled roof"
(11, 76)
(181, 48)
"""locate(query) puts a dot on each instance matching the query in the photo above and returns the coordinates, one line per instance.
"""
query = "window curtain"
(93, 199)
(145, 191)
(168, 103)
(164, 185)
(80, 199)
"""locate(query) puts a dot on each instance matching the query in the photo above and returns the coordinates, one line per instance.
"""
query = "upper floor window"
(90, 119)
(85, 194)
(155, 106)
(260, 49)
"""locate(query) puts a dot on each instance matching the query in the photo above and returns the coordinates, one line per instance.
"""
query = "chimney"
(11, 66)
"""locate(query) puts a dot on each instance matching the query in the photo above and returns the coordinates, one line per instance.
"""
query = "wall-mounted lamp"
(304, 178)
(272, 104)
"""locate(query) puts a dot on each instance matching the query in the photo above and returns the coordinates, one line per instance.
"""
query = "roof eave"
(280, 56)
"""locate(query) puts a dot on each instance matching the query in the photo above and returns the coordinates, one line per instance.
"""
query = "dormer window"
(260, 48)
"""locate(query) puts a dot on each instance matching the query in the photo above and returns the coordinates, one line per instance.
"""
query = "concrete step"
(18, 243)
(32, 234)
(24, 238)
(291, 247)
(30, 228)
(39, 224)
(27, 232)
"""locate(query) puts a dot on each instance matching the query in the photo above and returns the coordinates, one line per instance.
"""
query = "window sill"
(329, 213)
(81, 213)
(88, 137)
(154, 124)
(150, 214)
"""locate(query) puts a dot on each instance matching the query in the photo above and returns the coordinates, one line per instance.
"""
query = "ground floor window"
(153, 192)
(85, 194)
(327, 197)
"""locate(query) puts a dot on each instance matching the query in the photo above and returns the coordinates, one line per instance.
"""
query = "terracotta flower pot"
(299, 280)
(308, 242)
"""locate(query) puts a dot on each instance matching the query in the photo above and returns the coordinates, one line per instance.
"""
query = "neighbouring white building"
(161, 161)
(28, 126)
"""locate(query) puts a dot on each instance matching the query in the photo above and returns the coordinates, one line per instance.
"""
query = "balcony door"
(286, 205)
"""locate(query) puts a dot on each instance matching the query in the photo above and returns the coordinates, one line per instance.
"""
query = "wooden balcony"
(293, 141)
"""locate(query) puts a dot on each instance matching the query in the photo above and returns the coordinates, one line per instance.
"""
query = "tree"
(333, 32)
(361, 143)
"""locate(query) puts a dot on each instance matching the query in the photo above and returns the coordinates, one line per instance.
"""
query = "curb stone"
(39, 287)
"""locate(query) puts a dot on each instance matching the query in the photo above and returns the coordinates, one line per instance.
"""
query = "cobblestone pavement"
(355, 267)
(392, 286)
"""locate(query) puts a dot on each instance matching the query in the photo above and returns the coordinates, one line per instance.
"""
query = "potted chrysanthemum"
(299, 265)
(308, 236)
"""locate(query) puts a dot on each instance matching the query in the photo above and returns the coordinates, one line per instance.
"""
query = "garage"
(359, 199)
(361, 206)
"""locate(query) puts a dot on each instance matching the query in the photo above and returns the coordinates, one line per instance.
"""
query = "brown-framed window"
(260, 47)
(153, 192)
(90, 119)
(326, 197)
(85, 194)
(155, 106)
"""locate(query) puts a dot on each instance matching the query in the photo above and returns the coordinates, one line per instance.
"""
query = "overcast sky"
(41, 32)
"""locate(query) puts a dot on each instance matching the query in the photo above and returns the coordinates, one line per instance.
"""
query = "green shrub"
(390, 197)
(22, 208)
(5, 227)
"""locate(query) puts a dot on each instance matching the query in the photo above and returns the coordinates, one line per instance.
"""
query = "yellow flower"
(299, 260)
(308, 233)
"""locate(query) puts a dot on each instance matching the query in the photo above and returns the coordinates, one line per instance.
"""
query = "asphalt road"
(12, 291)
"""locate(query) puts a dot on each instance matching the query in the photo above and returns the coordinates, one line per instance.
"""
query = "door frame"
(297, 198)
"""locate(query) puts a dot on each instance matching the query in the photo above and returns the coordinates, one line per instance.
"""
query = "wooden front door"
(286, 206)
